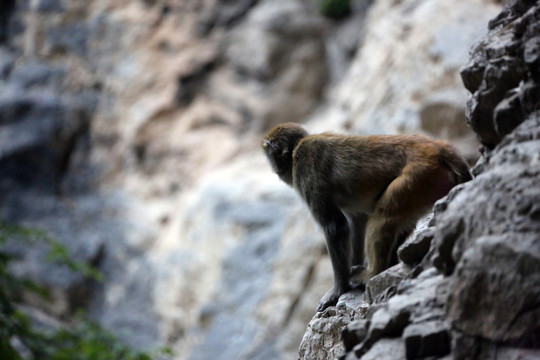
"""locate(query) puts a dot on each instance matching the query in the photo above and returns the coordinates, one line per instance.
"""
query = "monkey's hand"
(330, 298)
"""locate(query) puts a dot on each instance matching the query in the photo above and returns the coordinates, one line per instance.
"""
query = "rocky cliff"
(130, 130)
(468, 283)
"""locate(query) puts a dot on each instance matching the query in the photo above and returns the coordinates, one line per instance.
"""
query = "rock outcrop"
(468, 286)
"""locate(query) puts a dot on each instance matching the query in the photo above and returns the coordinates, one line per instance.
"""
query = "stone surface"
(354, 333)
(429, 338)
(497, 302)
(281, 42)
(415, 248)
(384, 284)
(505, 63)
(386, 349)
(510, 353)
(323, 337)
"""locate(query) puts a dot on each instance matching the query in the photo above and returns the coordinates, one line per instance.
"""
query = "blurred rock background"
(130, 130)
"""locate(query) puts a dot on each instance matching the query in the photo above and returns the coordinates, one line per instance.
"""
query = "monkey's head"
(278, 147)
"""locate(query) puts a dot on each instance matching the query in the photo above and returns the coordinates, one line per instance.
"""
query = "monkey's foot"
(330, 298)
(355, 276)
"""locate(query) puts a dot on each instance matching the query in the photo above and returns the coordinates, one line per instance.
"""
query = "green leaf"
(335, 9)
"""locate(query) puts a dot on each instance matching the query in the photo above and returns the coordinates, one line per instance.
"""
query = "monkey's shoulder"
(328, 141)
(317, 149)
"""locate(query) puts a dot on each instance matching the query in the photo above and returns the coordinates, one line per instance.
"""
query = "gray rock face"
(384, 285)
(502, 74)
(40, 125)
(430, 338)
(475, 289)
(259, 54)
(414, 249)
(322, 339)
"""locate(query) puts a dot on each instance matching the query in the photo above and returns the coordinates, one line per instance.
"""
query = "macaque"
(366, 192)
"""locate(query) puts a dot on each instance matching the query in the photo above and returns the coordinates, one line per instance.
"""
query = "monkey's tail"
(453, 161)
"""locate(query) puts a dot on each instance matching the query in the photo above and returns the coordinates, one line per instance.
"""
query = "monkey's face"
(278, 147)
(278, 154)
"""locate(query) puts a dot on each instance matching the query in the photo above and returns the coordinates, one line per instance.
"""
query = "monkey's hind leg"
(381, 234)
(396, 213)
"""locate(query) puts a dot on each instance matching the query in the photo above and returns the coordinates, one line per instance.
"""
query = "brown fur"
(378, 185)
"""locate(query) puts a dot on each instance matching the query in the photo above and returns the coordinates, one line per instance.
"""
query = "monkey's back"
(349, 165)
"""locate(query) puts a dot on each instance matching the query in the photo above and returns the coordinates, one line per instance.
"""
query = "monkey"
(366, 192)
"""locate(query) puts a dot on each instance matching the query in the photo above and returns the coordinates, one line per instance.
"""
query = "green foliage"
(335, 9)
(60, 255)
(85, 340)
(57, 253)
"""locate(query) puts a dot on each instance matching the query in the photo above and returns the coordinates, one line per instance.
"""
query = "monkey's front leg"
(336, 231)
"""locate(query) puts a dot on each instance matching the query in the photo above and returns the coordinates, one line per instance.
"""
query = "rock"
(387, 323)
(494, 109)
(465, 347)
(355, 333)
(267, 25)
(53, 6)
(43, 130)
(417, 301)
(324, 335)
(323, 338)
(225, 14)
(190, 84)
(507, 114)
(384, 284)
(71, 38)
(8, 8)
(345, 38)
(531, 55)
(386, 349)
(413, 250)
(280, 46)
(426, 339)
(504, 192)
(7, 59)
(40, 118)
(492, 301)
(37, 73)
(510, 353)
